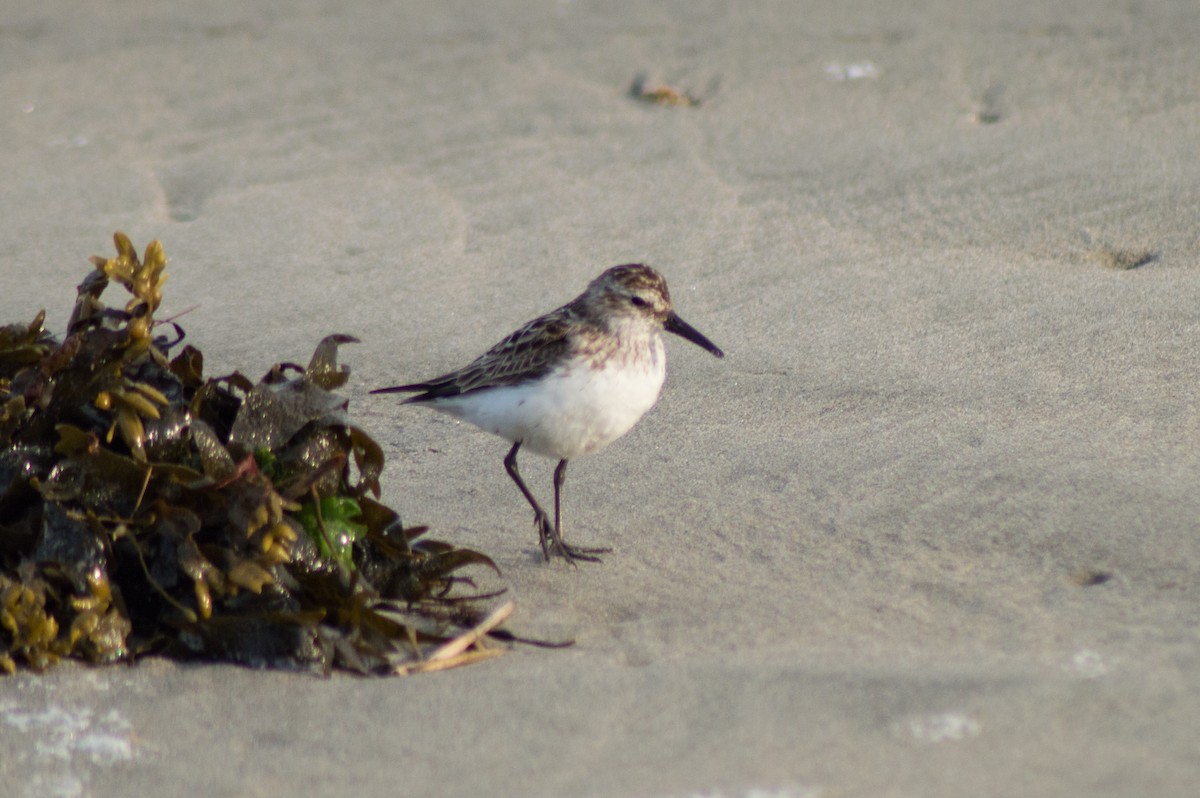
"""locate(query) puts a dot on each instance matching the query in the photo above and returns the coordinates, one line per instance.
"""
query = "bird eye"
(637, 301)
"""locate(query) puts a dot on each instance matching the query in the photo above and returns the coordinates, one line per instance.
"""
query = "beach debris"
(643, 90)
(943, 727)
(858, 70)
(1122, 259)
(462, 650)
(989, 110)
(1088, 664)
(148, 509)
(1090, 577)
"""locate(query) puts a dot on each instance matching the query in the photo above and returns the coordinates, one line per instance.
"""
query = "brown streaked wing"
(525, 355)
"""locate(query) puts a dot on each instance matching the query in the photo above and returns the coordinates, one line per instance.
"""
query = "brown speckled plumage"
(533, 350)
(570, 382)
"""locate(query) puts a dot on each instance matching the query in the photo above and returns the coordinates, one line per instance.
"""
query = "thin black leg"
(560, 474)
(540, 519)
(570, 552)
(549, 536)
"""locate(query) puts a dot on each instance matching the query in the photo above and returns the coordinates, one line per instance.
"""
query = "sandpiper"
(568, 383)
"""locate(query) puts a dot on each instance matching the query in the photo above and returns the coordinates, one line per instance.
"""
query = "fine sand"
(930, 529)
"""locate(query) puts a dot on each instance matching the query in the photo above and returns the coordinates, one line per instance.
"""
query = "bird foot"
(554, 545)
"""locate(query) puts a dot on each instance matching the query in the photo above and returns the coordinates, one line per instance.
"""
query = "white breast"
(576, 409)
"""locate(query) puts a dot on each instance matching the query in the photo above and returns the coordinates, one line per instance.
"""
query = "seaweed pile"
(145, 509)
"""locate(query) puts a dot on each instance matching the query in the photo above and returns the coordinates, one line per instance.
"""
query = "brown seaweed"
(147, 509)
(643, 90)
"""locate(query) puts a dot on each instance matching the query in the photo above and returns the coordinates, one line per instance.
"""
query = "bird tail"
(415, 387)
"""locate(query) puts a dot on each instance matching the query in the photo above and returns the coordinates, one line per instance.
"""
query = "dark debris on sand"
(147, 509)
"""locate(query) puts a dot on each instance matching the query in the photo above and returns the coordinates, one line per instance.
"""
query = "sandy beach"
(929, 529)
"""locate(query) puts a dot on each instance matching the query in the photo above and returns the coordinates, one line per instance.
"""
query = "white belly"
(572, 411)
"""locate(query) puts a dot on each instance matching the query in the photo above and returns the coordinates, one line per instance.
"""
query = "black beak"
(676, 325)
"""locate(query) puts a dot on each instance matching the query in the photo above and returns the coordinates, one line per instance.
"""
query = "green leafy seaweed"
(333, 524)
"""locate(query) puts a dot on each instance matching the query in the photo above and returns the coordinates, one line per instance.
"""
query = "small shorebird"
(569, 382)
